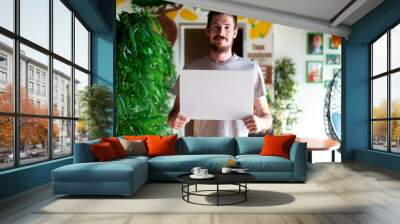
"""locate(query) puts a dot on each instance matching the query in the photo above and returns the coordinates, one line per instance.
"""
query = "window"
(38, 89)
(30, 87)
(3, 78)
(30, 72)
(3, 72)
(3, 61)
(385, 94)
(37, 74)
(43, 90)
(49, 80)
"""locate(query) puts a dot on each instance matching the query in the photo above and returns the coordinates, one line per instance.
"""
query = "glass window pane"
(6, 74)
(62, 89)
(379, 55)
(81, 81)
(6, 142)
(35, 21)
(62, 29)
(81, 45)
(62, 138)
(395, 94)
(33, 140)
(395, 47)
(34, 72)
(7, 14)
(81, 131)
(379, 135)
(395, 138)
(379, 97)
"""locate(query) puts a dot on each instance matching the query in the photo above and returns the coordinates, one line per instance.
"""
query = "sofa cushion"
(257, 163)
(103, 152)
(207, 145)
(161, 145)
(278, 145)
(185, 163)
(249, 145)
(111, 171)
(134, 147)
(116, 145)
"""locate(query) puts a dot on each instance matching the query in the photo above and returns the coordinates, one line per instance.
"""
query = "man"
(221, 31)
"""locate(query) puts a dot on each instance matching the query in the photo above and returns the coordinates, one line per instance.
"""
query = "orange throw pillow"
(135, 138)
(277, 145)
(103, 152)
(116, 145)
(161, 145)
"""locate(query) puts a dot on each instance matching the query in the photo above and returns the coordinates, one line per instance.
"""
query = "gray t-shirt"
(224, 127)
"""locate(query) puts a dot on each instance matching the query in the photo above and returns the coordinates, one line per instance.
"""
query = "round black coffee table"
(238, 179)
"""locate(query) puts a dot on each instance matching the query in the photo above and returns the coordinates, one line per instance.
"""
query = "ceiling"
(328, 16)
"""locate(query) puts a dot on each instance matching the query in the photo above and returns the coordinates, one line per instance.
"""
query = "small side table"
(320, 145)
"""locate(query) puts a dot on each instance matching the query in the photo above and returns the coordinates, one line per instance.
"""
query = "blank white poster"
(216, 94)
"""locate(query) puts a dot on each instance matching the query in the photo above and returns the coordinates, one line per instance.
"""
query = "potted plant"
(284, 109)
(97, 108)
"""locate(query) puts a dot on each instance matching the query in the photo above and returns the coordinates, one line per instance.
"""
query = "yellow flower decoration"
(240, 18)
(172, 14)
(251, 21)
(260, 30)
(188, 15)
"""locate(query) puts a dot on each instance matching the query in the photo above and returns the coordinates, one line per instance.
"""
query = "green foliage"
(96, 101)
(145, 74)
(284, 107)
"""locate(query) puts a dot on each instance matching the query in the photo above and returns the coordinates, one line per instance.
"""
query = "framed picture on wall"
(314, 71)
(333, 59)
(334, 42)
(315, 43)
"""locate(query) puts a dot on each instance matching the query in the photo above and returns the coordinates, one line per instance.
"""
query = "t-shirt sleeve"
(259, 87)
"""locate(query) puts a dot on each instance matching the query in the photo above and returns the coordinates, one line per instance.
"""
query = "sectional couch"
(125, 176)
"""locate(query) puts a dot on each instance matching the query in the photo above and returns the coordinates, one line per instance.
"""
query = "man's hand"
(261, 119)
(177, 121)
(253, 123)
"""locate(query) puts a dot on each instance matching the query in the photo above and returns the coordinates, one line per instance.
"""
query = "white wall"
(292, 42)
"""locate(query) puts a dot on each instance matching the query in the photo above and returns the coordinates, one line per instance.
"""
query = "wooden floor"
(377, 188)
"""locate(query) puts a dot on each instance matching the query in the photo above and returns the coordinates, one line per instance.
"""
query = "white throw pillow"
(134, 147)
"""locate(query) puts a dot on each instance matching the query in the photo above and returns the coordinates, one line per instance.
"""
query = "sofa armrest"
(83, 152)
(298, 157)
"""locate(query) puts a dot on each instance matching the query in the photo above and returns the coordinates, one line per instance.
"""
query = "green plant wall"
(145, 75)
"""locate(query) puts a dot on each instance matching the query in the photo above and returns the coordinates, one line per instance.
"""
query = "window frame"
(388, 74)
(16, 114)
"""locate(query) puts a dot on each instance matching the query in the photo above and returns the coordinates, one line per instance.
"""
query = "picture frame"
(331, 46)
(314, 71)
(315, 43)
(333, 59)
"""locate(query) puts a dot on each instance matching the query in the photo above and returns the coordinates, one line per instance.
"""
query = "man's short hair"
(211, 14)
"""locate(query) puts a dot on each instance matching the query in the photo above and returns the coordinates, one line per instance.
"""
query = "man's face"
(316, 41)
(221, 32)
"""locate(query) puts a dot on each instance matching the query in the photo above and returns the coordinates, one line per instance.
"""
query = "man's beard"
(219, 49)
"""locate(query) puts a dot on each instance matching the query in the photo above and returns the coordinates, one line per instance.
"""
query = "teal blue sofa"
(125, 176)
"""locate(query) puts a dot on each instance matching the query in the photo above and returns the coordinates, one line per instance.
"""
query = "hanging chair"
(332, 107)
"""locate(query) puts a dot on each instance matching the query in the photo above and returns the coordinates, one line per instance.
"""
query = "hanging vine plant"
(145, 74)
